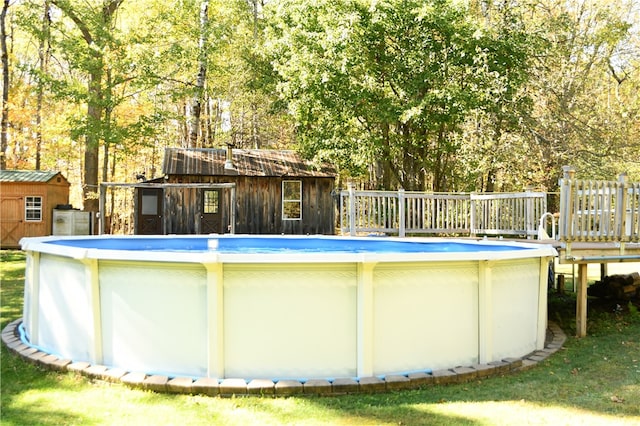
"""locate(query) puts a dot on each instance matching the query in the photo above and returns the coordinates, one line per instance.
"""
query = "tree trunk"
(43, 59)
(95, 91)
(254, 104)
(196, 104)
(5, 86)
(106, 126)
(438, 161)
(490, 183)
(92, 143)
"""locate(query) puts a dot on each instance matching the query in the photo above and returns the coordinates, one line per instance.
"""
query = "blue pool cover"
(278, 245)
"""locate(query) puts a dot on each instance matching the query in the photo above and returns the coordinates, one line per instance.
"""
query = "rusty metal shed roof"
(36, 176)
(246, 162)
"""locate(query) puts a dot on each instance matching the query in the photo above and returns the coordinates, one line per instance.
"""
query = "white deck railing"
(598, 211)
(401, 212)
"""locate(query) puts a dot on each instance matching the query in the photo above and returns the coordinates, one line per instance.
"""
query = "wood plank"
(581, 301)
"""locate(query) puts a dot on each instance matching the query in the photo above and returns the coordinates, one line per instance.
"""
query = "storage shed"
(275, 192)
(27, 200)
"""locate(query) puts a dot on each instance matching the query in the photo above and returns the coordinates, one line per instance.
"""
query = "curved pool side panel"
(211, 311)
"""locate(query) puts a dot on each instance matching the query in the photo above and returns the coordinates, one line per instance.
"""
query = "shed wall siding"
(183, 209)
(180, 211)
(258, 205)
(13, 227)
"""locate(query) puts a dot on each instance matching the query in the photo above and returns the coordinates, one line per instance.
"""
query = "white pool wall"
(303, 316)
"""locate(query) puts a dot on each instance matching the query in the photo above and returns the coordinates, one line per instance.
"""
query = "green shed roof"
(26, 176)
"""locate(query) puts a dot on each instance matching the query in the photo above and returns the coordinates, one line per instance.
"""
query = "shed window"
(32, 209)
(149, 202)
(210, 202)
(291, 200)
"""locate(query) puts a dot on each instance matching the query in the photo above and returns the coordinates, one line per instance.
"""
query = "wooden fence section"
(598, 211)
(515, 214)
(401, 213)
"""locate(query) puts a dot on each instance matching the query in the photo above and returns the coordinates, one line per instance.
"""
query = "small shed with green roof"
(27, 200)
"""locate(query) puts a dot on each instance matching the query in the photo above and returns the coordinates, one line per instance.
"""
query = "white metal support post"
(365, 320)
(32, 279)
(92, 277)
(485, 312)
(215, 318)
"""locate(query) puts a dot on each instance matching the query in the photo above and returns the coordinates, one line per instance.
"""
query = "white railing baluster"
(605, 211)
(403, 212)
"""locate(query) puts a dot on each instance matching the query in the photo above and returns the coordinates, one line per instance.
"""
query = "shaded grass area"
(593, 380)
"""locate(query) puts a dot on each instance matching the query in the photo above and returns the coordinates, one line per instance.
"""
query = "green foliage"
(590, 104)
(392, 82)
(437, 94)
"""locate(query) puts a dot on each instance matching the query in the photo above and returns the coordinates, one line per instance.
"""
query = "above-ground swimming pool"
(284, 307)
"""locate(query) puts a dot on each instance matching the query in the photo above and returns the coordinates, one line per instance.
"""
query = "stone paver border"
(231, 386)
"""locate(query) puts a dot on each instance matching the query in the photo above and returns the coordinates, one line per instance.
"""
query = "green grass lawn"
(591, 381)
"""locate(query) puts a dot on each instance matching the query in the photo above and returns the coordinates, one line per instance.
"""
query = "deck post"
(402, 224)
(529, 217)
(472, 216)
(352, 209)
(621, 208)
(565, 219)
(581, 301)
(101, 207)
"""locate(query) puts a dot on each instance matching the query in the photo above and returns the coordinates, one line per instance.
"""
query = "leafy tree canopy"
(391, 82)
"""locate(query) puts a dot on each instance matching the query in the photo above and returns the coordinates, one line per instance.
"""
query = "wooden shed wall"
(182, 209)
(258, 205)
(12, 210)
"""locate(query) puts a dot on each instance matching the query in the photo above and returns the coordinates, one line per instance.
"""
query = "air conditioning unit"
(71, 222)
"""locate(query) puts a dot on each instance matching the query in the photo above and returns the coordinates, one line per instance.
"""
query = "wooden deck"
(599, 222)
(584, 253)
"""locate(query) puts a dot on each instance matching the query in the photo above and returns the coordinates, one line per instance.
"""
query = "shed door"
(211, 216)
(150, 211)
(11, 225)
